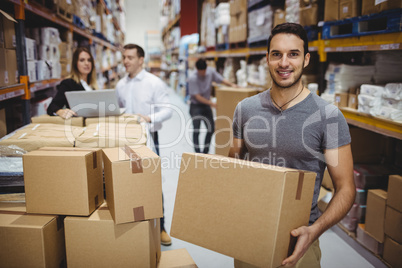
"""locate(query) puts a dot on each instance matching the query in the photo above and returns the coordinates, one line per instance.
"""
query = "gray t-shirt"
(202, 84)
(296, 138)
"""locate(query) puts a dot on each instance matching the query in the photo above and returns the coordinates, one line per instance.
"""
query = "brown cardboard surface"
(349, 8)
(9, 32)
(309, 15)
(122, 120)
(109, 135)
(63, 181)
(392, 252)
(279, 17)
(177, 258)
(364, 238)
(331, 10)
(133, 196)
(3, 69)
(96, 241)
(31, 240)
(35, 136)
(341, 99)
(47, 119)
(394, 192)
(372, 6)
(227, 99)
(214, 192)
(11, 66)
(352, 101)
(375, 213)
(393, 224)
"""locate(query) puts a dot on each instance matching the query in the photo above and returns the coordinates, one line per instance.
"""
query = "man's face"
(202, 72)
(286, 59)
(132, 62)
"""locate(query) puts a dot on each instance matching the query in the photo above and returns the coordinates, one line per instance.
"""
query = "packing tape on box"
(139, 214)
(135, 160)
(94, 156)
(300, 186)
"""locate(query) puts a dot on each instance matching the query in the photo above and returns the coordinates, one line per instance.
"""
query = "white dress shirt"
(145, 94)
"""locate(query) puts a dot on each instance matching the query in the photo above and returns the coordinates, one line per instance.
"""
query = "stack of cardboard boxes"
(125, 232)
(8, 57)
(238, 21)
(381, 233)
(342, 9)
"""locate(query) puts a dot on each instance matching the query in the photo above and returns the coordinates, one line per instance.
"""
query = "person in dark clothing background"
(83, 77)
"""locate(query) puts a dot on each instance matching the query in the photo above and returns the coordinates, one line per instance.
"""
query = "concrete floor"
(338, 250)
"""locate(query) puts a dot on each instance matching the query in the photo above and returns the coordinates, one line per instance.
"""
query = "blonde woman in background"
(83, 77)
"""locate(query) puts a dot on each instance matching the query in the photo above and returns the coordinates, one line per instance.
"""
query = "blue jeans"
(202, 112)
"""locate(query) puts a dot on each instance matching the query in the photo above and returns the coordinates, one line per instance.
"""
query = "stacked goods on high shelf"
(8, 57)
(238, 21)
(259, 26)
(222, 21)
(207, 27)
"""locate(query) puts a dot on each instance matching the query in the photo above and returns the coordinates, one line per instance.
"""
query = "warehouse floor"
(338, 249)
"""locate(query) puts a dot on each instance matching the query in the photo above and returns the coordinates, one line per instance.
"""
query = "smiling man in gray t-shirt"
(289, 126)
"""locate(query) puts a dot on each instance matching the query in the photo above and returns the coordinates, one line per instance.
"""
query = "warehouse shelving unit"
(27, 89)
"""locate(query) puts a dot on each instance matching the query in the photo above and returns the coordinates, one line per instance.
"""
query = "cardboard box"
(327, 181)
(11, 67)
(35, 136)
(309, 15)
(63, 181)
(3, 70)
(177, 258)
(392, 252)
(110, 135)
(139, 196)
(279, 17)
(96, 241)
(324, 198)
(352, 101)
(265, 203)
(227, 99)
(349, 9)
(375, 213)
(30, 240)
(364, 238)
(8, 22)
(47, 119)
(394, 192)
(393, 224)
(375, 6)
(371, 176)
(331, 10)
(109, 120)
(341, 100)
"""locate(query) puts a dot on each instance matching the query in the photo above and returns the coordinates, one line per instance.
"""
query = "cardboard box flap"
(177, 258)
(119, 154)
(18, 219)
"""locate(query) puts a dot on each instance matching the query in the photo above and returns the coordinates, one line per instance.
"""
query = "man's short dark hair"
(140, 50)
(290, 28)
(201, 64)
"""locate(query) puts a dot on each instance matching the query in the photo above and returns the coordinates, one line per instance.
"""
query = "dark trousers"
(156, 142)
(202, 112)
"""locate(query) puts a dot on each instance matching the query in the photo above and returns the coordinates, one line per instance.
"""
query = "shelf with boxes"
(43, 41)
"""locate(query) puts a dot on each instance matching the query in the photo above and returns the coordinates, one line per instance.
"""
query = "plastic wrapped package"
(393, 90)
(390, 113)
(372, 90)
(392, 103)
(368, 100)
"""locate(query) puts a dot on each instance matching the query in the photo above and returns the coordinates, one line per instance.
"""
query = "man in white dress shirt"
(144, 94)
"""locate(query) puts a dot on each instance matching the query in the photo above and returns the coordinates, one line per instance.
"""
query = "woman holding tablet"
(83, 77)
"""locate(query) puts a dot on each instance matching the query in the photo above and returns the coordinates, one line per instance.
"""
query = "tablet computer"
(96, 103)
